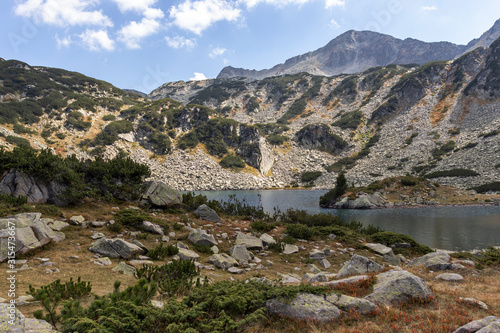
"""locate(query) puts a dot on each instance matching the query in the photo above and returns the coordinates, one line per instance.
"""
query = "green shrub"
(132, 217)
(232, 162)
(51, 295)
(443, 149)
(389, 238)
(160, 252)
(173, 279)
(20, 129)
(188, 140)
(18, 141)
(487, 135)
(115, 227)
(109, 117)
(494, 186)
(332, 195)
(299, 231)
(203, 248)
(277, 140)
(409, 181)
(349, 120)
(452, 173)
(75, 119)
(262, 226)
(409, 139)
(310, 176)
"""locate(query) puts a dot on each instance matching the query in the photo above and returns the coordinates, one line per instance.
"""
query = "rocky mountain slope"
(293, 130)
(357, 51)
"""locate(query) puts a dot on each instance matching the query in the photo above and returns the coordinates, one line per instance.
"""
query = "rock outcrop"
(159, 194)
(116, 248)
(17, 183)
(30, 232)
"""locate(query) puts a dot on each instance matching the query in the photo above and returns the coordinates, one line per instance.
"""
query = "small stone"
(325, 263)
(104, 261)
(289, 249)
(165, 239)
(125, 269)
(235, 270)
(98, 235)
(76, 220)
(96, 224)
(474, 302)
(452, 277)
(214, 249)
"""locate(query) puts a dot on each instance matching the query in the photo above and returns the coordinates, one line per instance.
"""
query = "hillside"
(357, 51)
(288, 131)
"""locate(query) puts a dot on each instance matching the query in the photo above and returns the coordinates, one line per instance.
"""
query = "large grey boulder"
(186, 254)
(353, 304)
(31, 232)
(206, 213)
(222, 260)
(489, 324)
(200, 237)
(290, 248)
(433, 260)
(304, 306)
(267, 239)
(160, 195)
(152, 228)
(359, 265)
(396, 287)
(240, 253)
(349, 280)
(116, 248)
(17, 183)
(5, 317)
(249, 241)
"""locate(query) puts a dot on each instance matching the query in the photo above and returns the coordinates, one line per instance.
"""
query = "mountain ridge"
(356, 51)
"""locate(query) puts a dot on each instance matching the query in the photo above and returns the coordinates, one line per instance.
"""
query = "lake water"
(450, 228)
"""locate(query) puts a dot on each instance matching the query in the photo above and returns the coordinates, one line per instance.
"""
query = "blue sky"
(141, 44)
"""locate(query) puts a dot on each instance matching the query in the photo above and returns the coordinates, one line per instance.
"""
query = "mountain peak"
(355, 51)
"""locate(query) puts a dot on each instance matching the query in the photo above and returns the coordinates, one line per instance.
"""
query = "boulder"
(325, 263)
(451, 277)
(353, 304)
(240, 253)
(222, 260)
(186, 254)
(396, 287)
(380, 249)
(317, 255)
(160, 195)
(200, 237)
(290, 248)
(76, 220)
(214, 249)
(249, 241)
(359, 265)
(206, 213)
(26, 240)
(17, 183)
(116, 248)
(32, 325)
(125, 269)
(433, 260)
(350, 280)
(235, 270)
(57, 225)
(490, 324)
(19, 320)
(44, 233)
(19, 220)
(151, 227)
(304, 306)
(267, 240)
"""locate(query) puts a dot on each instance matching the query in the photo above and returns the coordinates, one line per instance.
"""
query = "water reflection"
(452, 228)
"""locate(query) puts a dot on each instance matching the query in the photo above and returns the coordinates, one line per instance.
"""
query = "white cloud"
(433, 7)
(97, 40)
(218, 51)
(63, 42)
(198, 15)
(178, 42)
(132, 33)
(277, 3)
(198, 77)
(63, 12)
(334, 3)
(134, 5)
(334, 24)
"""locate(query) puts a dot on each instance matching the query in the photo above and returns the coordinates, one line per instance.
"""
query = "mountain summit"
(356, 51)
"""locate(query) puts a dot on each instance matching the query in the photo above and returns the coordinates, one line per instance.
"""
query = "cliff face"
(357, 51)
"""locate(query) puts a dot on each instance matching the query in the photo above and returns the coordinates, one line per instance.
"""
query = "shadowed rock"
(359, 265)
(304, 306)
(206, 213)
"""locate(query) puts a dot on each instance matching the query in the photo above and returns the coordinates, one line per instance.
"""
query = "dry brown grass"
(443, 314)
